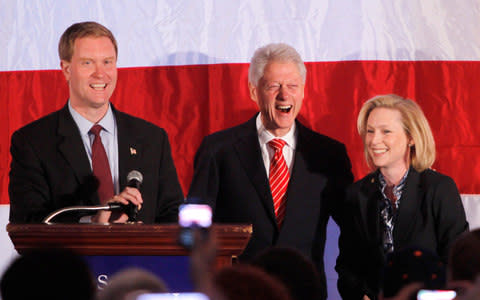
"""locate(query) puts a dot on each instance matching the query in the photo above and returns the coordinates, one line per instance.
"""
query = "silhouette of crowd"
(277, 273)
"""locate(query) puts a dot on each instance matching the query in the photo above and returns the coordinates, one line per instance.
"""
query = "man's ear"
(253, 92)
(65, 66)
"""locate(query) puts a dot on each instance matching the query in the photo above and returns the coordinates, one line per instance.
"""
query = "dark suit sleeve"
(340, 177)
(449, 215)
(350, 265)
(170, 194)
(205, 182)
(28, 187)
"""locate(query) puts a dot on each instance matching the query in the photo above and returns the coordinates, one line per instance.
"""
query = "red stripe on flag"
(192, 101)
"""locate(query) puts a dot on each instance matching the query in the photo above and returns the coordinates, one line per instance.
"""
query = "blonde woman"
(403, 202)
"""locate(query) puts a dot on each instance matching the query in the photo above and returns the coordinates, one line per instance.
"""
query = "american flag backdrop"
(183, 65)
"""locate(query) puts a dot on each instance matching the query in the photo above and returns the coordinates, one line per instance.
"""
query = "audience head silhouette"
(413, 264)
(130, 283)
(294, 270)
(48, 274)
(464, 258)
(244, 282)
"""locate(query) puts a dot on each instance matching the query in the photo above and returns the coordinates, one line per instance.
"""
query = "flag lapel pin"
(133, 151)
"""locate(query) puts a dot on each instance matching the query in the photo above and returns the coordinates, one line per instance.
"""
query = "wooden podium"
(125, 239)
(128, 244)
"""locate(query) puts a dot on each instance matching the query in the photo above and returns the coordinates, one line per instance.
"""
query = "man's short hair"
(81, 30)
(274, 53)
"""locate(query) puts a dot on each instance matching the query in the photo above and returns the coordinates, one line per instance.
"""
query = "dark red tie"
(100, 166)
(278, 178)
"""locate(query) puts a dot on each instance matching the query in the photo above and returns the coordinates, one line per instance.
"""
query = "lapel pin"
(133, 151)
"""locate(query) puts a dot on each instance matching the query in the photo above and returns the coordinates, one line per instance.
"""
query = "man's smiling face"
(91, 73)
(279, 96)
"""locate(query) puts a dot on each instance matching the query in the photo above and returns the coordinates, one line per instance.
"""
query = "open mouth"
(379, 151)
(284, 108)
(98, 86)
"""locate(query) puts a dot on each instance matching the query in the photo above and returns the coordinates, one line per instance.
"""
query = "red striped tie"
(100, 166)
(278, 178)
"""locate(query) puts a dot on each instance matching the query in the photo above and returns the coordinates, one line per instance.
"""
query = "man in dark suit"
(54, 159)
(235, 169)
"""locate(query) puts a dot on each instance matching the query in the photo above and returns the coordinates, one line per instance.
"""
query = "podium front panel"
(173, 270)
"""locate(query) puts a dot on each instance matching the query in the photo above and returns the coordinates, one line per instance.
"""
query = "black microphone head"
(134, 179)
(135, 175)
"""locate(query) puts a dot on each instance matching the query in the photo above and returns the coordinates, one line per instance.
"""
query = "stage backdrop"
(183, 66)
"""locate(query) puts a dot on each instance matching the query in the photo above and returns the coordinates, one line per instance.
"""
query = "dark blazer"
(230, 176)
(50, 169)
(430, 216)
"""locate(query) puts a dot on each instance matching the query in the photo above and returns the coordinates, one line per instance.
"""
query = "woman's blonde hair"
(414, 122)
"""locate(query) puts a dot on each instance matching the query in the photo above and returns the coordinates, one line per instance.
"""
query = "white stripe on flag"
(471, 203)
(7, 252)
(156, 33)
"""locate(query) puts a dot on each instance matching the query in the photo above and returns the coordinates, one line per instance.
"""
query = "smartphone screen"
(173, 296)
(193, 217)
(436, 294)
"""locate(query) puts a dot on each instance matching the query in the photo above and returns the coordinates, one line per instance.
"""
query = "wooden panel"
(124, 239)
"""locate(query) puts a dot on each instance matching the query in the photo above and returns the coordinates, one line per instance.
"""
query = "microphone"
(134, 179)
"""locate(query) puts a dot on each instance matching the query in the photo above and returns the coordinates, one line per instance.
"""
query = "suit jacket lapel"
(248, 151)
(297, 182)
(370, 196)
(70, 145)
(129, 148)
(368, 204)
(408, 208)
(299, 178)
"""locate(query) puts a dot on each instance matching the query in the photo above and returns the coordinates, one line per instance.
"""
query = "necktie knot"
(277, 144)
(95, 130)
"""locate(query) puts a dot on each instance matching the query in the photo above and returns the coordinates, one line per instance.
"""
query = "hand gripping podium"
(109, 248)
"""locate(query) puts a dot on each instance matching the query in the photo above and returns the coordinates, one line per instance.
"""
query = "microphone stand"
(109, 206)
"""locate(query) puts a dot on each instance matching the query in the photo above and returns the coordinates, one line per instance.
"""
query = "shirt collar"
(84, 125)
(265, 136)
(397, 190)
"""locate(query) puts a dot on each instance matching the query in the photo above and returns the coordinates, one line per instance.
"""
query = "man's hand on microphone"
(128, 195)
